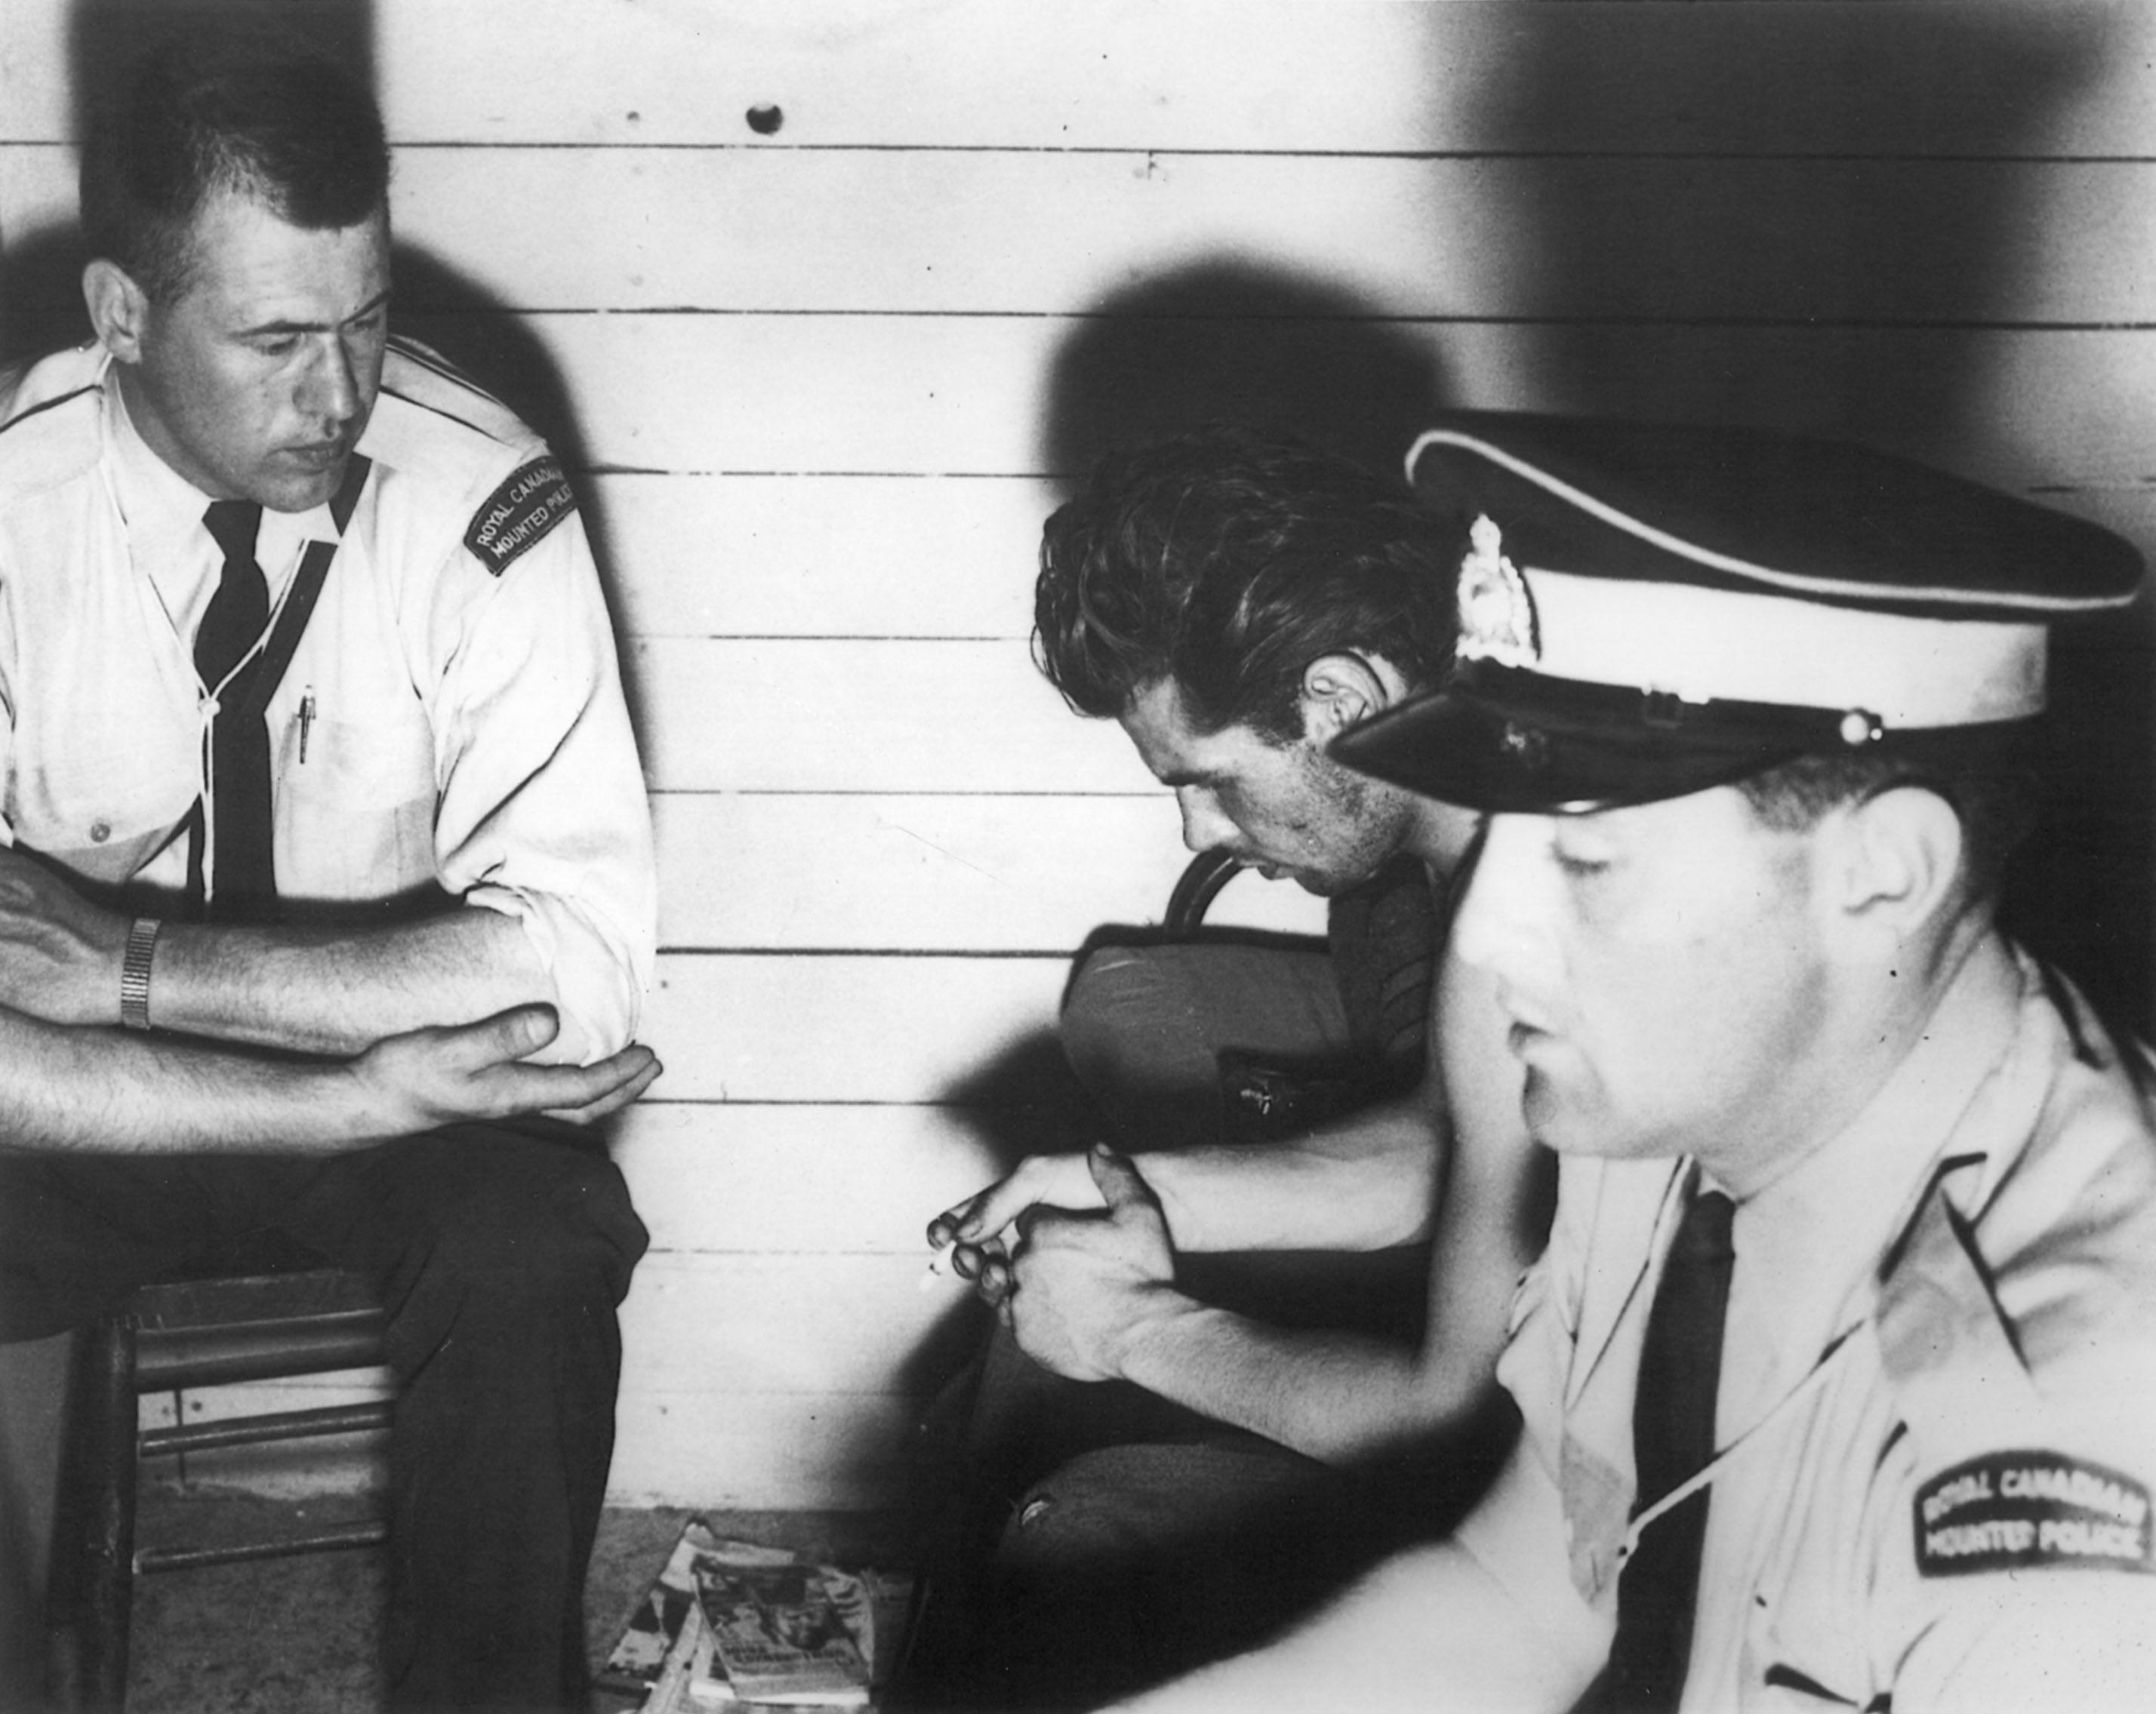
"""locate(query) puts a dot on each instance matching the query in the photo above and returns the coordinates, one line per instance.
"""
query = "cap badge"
(1496, 613)
(1526, 748)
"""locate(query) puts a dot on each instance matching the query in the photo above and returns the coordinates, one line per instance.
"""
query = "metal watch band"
(135, 973)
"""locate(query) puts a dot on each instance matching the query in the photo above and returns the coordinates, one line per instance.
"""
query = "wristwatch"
(135, 973)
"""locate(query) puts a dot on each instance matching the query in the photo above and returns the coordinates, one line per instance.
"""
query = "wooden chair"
(165, 1337)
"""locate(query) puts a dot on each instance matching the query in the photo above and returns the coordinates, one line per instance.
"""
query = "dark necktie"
(1672, 1437)
(243, 880)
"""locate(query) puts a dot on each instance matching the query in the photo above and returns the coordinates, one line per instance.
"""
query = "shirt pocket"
(356, 806)
(104, 811)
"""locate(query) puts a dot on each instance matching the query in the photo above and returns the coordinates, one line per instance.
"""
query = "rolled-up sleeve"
(541, 807)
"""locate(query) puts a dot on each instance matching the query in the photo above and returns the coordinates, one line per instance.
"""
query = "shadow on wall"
(1826, 219)
(1239, 341)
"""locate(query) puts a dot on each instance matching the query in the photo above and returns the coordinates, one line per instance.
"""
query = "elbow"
(595, 977)
(599, 992)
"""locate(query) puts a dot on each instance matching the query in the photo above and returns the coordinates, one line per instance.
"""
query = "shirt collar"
(163, 511)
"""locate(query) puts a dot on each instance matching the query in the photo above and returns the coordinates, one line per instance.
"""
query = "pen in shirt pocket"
(306, 721)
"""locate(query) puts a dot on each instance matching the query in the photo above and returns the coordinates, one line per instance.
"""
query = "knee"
(531, 1222)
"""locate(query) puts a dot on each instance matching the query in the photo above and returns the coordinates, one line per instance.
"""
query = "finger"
(990, 1211)
(944, 1229)
(1119, 1182)
(573, 1088)
(996, 1283)
(968, 1259)
(508, 1035)
(646, 1070)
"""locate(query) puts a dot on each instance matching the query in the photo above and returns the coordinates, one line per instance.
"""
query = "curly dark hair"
(243, 107)
(1228, 561)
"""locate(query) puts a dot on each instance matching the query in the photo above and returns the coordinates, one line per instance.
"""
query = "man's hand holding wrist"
(429, 1078)
(1090, 1289)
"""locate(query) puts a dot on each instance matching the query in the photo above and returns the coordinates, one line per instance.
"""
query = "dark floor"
(296, 1636)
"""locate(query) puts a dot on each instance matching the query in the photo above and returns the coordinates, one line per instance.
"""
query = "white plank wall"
(821, 385)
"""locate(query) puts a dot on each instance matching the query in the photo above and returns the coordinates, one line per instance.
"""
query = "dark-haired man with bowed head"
(1236, 601)
(316, 744)
(1836, 1373)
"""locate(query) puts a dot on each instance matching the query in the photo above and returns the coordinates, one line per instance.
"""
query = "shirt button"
(100, 832)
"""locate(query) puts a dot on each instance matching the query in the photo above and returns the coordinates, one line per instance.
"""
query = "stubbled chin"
(304, 495)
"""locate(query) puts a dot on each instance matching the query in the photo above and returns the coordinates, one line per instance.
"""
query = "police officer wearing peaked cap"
(1650, 610)
(1838, 1375)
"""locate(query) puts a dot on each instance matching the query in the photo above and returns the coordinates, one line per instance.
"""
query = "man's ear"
(1342, 690)
(118, 308)
(1897, 860)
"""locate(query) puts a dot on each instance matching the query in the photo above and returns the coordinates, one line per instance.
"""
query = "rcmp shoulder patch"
(517, 515)
(2009, 1510)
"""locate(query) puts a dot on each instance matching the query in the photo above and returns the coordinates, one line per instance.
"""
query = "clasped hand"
(1073, 1252)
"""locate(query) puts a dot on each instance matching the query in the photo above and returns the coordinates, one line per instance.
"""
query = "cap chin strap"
(1539, 698)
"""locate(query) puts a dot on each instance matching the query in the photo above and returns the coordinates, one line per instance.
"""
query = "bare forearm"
(1333, 1396)
(336, 992)
(1364, 1183)
(76, 1089)
(92, 1089)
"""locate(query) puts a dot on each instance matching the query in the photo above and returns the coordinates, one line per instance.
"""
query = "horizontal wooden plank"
(1842, 77)
(841, 715)
(929, 873)
(930, 395)
(846, 1028)
(804, 1180)
(1834, 76)
(944, 231)
(1921, 240)
(832, 1323)
(818, 555)
(910, 555)
(815, 1364)
(723, 1446)
(1058, 76)
(964, 232)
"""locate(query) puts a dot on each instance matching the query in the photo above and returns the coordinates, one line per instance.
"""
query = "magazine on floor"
(776, 1601)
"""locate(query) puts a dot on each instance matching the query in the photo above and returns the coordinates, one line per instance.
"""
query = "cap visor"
(1518, 756)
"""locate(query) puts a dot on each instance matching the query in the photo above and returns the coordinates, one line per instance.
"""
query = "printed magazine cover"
(779, 1635)
(664, 1654)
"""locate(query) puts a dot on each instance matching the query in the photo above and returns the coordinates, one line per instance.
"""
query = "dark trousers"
(501, 1256)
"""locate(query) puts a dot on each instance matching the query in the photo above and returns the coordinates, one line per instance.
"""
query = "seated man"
(1234, 604)
(1834, 1376)
(315, 737)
